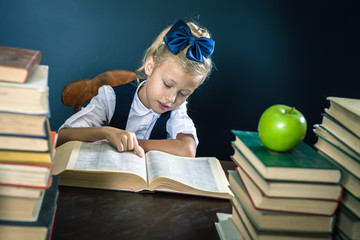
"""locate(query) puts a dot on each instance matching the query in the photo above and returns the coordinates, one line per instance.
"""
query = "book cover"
(278, 221)
(39, 229)
(302, 163)
(31, 97)
(17, 63)
(288, 189)
(346, 111)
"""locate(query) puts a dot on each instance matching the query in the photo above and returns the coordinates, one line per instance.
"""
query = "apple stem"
(292, 109)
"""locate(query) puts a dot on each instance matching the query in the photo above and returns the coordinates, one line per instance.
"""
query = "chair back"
(78, 91)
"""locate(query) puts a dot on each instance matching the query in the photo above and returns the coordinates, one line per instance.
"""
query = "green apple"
(281, 128)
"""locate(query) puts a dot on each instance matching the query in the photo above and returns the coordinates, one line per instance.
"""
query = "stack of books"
(292, 195)
(28, 190)
(339, 141)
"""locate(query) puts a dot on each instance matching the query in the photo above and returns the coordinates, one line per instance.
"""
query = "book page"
(101, 156)
(199, 173)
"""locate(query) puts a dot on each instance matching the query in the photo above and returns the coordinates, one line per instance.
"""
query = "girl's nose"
(170, 97)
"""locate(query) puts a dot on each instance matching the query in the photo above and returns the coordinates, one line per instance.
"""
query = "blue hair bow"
(179, 36)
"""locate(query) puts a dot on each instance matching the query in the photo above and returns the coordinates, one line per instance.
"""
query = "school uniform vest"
(124, 97)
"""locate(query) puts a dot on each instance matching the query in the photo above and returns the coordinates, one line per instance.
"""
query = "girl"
(151, 114)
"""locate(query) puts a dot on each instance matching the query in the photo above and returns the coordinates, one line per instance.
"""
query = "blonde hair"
(160, 53)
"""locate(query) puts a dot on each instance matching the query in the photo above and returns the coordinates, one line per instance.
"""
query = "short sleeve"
(97, 113)
(180, 122)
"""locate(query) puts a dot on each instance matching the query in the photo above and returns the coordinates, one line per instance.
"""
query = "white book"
(31, 97)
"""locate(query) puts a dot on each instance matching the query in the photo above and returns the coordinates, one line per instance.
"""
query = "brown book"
(17, 63)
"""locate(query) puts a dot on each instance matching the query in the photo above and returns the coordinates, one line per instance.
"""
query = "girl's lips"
(163, 106)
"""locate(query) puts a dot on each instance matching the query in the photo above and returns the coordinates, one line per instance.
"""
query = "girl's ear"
(149, 66)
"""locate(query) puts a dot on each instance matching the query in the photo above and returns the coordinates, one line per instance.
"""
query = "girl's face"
(167, 86)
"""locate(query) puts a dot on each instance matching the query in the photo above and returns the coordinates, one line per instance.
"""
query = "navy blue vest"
(124, 97)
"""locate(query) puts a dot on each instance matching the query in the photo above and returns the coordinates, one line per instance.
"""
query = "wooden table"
(103, 214)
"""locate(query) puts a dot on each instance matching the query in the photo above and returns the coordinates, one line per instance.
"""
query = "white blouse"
(141, 120)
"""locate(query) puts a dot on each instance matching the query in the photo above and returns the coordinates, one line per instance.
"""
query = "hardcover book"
(346, 111)
(26, 157)
(288, 189)
(346, 160)
(14, 191)
(226, 228)
(20, 208)
(31, 97)
(249, 231)
(279, 221)
(302, 163)
(341, 132)
(322, 132)
(22, 124)
(348, 223)
(17, 63)
(351, 202)
(99, 165)
(349, 181)
(32, 143)
(39, 229)
(281, 204)
(31, 175)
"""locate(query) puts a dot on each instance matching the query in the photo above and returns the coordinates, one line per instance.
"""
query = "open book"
(99, 165)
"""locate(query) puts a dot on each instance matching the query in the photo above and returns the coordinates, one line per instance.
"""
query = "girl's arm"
(183, 145)
(120, 139)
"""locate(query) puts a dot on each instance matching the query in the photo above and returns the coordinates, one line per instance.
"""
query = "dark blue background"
(267, 52)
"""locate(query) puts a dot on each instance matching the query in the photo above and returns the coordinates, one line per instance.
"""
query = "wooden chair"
(77, 92)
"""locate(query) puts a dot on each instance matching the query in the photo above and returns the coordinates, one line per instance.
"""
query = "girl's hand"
(123, 140)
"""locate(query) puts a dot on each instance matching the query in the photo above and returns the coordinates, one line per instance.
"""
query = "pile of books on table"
(339, 141)
(292, 195)
(28, 190)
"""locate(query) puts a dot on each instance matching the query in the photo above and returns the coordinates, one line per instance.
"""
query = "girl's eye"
(166, 85)
(183, 94)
